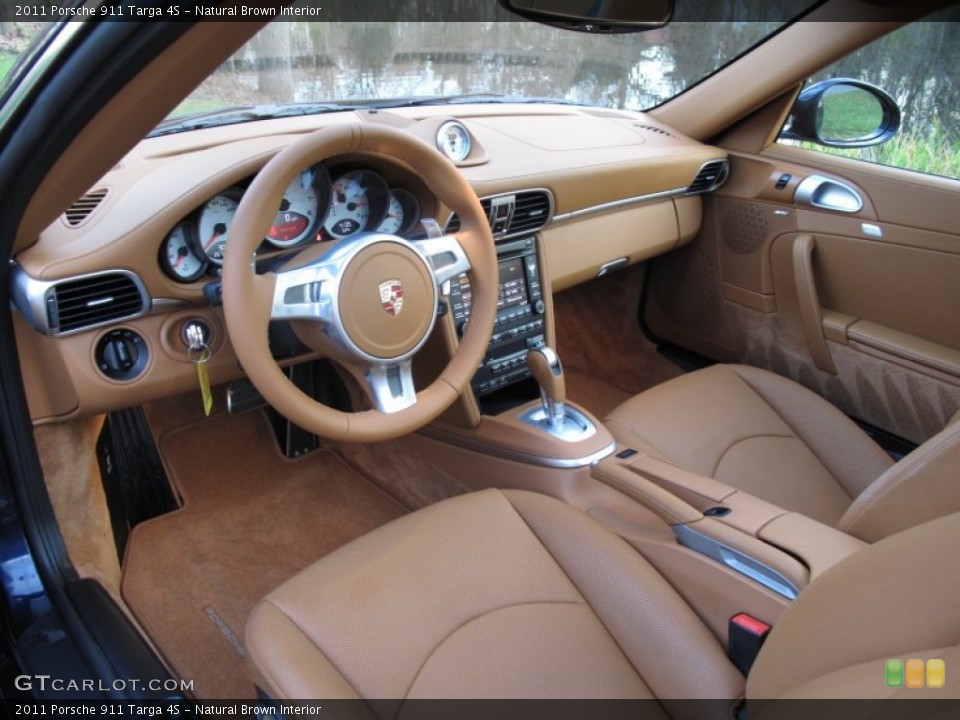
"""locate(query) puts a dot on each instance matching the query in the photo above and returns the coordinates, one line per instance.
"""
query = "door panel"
(884, 287)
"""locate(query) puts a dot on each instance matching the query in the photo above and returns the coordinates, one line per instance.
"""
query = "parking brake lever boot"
(548, 372)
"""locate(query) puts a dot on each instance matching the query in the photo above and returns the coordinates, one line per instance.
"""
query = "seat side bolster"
(301, 670)
(670, 647)
(881, 602)
(922, 486)
(842, 447)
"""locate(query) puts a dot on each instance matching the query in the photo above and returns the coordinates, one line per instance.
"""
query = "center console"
(520, 323)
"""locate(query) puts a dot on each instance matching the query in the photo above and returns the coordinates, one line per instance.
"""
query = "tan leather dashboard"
(617, 180)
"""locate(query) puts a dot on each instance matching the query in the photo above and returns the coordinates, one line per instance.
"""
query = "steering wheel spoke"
(304, 293)
(446, 256)
(391, 386)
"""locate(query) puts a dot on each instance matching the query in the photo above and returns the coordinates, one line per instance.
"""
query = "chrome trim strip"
(508, 454)
(736, 561)
(577, 429)
(551, 206)
(618, 204)
(165, 305)
(30, 298)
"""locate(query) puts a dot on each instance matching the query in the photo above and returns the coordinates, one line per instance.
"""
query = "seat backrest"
(922, 486)
(897, 599)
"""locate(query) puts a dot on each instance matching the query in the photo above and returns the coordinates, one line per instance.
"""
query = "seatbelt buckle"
(745, 636)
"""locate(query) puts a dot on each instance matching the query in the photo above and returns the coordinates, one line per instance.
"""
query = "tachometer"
(304, 203)
(403, 211)
(213, 225)
(178, 258)
(358, 200)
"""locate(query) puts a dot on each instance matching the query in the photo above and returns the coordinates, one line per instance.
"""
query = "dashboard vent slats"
(710, 177)
(654, 129)
(531, 211)
(83, 207)
(95, 300)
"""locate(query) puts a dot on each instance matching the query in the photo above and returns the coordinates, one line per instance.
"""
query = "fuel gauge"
(178, 258)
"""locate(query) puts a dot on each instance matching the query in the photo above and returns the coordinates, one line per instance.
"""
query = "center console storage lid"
(819, 546)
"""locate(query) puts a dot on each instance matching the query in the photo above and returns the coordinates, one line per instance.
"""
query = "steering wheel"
(368, 302)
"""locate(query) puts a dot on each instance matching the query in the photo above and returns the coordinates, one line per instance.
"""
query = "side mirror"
(843, 113)
(595, 16)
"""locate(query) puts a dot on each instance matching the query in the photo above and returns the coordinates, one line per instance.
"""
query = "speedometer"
(304, 203)
(213, 226)
(358, 201)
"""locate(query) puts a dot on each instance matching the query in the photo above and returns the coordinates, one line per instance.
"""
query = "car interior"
(503, 399)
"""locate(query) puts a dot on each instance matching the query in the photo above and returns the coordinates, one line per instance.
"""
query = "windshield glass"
(352, 62)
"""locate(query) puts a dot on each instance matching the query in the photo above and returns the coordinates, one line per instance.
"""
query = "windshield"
(356, 62)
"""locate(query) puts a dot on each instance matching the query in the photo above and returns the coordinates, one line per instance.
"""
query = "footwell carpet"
(250, 520)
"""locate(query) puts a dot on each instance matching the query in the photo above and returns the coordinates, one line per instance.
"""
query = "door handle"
(822, 192)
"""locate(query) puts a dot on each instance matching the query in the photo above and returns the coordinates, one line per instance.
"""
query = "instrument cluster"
(316, 207)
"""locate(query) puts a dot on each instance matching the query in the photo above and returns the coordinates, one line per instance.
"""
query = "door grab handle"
(811, 319)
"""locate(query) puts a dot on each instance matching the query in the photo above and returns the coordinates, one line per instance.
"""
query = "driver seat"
(512, 594)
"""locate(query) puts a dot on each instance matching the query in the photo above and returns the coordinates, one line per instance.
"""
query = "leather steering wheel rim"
(248, 297)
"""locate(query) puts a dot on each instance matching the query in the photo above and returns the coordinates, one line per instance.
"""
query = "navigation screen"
(513, 286)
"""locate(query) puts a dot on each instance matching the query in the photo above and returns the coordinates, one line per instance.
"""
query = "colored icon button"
(936, 673)
(914, 673)
(894, 673)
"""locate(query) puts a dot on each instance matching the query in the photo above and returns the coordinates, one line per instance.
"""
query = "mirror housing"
(595, 16)
(843, 113)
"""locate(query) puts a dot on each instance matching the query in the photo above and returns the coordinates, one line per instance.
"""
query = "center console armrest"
(819, 546)
(743, 511)
(657, 485)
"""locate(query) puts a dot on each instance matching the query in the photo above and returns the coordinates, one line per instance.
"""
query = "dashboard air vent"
(453, 224)
(94, 300)
(523, 212)
(531, 211)
(82, 208)
(710, 177)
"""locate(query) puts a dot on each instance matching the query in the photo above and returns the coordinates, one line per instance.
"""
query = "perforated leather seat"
(773, 438)
(516, 595)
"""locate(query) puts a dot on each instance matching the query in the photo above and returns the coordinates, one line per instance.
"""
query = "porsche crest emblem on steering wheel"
(391, 296)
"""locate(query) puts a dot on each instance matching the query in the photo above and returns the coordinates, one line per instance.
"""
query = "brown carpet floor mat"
(593, 394)
(251, 519)
(604, 353)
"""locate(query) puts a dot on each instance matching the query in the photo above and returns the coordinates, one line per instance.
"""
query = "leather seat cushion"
(757, 432)
(500, 594)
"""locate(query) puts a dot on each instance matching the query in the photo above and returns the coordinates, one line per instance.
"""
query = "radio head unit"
(520, 322)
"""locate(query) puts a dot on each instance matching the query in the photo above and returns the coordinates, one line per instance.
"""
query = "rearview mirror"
(597, 16)
(843, 113)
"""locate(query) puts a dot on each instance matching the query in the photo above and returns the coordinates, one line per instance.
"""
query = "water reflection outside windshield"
(316, 62)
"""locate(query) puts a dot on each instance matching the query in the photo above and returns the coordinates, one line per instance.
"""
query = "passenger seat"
(771, 437)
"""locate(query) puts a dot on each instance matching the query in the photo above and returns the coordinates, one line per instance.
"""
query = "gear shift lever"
(548, 372)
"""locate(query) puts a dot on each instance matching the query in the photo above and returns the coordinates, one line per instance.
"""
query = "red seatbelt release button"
(746, 635)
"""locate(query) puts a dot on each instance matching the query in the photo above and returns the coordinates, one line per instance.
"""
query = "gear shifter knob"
(548, 372)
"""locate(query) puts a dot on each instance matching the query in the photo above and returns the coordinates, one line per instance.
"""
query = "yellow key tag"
(204, 378)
